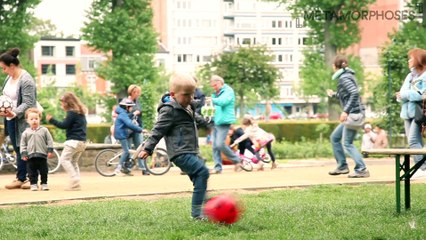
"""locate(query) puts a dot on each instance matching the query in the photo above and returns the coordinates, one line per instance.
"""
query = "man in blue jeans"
(224, 101)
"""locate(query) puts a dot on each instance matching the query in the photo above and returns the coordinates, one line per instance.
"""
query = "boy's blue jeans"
(414, 138)
(348, 135)
(198, 173)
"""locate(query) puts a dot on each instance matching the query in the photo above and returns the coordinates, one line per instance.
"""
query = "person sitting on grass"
(259, 138)
(177, 122)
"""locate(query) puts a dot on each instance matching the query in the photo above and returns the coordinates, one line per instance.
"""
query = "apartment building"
(192, 31)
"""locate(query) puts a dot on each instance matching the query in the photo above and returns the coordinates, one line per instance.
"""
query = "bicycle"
(107, 160)
(246, 162)
(7, 157)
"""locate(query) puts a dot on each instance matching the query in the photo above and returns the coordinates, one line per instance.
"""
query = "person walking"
(20, 87)
(75, 125)
(177, 122)
(223, 100)
(411, 92)
(348, 94)
(36, 146)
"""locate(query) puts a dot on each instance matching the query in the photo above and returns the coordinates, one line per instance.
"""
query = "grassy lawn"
(324, 212)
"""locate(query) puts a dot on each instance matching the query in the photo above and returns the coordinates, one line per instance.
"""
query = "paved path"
(290, 174)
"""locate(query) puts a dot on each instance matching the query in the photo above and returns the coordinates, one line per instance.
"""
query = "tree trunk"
(329, 55)
(242, 110)
(424, 14)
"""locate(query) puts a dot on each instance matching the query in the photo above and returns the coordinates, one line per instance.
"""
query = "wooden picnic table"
(404, 167)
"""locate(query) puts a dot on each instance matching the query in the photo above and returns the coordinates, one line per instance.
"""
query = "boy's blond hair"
(32, 110)
(181, 80)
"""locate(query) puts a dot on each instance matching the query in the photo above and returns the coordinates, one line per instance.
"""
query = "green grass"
(322, 212)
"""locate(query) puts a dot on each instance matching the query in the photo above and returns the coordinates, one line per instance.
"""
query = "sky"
(67, 15)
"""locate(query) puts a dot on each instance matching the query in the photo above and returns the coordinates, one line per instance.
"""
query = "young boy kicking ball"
(177, 122)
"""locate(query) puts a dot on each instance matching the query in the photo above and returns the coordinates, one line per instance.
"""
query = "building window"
(69, 51)
(92, 64)
(48, 69)
(274, 24)
(274, 41)
(48, 51)
(70, 69)
(246, 41)
(279, 41)
(280, 58)
(280, 24)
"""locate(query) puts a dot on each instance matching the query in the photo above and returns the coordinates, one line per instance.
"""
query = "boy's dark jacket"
(178, 127)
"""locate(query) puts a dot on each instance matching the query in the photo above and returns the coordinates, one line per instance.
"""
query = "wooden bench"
(404, 167)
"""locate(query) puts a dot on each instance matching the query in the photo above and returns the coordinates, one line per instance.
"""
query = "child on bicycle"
(259, 138)
(75, 126)
(177, 122)
(123, 127)
(36, 147)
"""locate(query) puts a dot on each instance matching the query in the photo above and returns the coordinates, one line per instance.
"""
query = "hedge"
(96, 133)
(295, 131)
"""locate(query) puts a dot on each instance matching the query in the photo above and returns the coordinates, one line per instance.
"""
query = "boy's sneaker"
(339, 171)
(34, 187)
(361, 174)
(200, 218)
(44, 187)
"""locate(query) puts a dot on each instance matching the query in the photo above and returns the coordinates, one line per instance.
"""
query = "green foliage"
(394, 57)
(124, 30)
(49, 96)
(331, 21)
(318, 212)
(247, 70)
(15, 26)
(297, 131)
(45, 28)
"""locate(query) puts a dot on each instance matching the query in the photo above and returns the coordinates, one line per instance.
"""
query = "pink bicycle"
(247, 162)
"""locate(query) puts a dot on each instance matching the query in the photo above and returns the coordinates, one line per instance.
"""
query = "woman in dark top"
(75, 144)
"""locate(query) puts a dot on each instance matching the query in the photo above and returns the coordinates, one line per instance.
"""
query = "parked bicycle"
(157, 164)
(247, 162)
(8, 157)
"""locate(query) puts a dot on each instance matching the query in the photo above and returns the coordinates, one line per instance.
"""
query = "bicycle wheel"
(106, 162)
(159, 163)
(53, 163)
(246, 165)
(266, 158)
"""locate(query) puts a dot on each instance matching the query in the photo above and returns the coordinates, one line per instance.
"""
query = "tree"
(15, 26)
(333, 28)
(45, 28)
(333, 23)
(394, 60)
(248, 71)
(124, 30)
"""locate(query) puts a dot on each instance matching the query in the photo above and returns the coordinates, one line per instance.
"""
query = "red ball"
(223, 209)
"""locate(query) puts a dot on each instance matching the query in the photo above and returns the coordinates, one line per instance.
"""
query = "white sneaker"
(420, 174)
(34, 187)
(44, 187)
